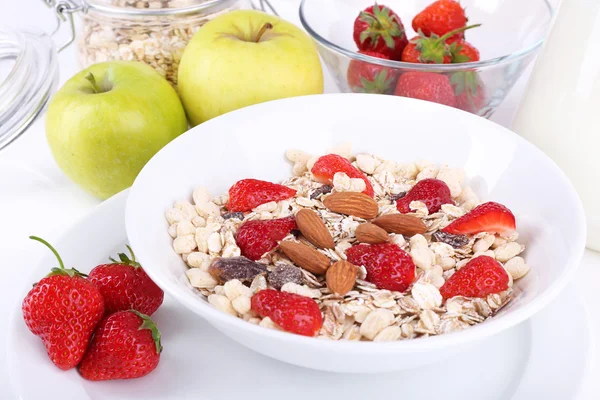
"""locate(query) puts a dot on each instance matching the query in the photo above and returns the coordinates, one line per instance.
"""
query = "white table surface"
(36, 198)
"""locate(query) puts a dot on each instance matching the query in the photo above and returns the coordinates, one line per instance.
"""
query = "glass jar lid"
(164, 7)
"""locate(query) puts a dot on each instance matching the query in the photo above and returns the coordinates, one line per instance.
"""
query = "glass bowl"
(511, 33)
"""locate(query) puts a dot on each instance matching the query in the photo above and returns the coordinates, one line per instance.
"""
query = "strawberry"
(462, 51)
(478, 278)
(433, 192)
(327, 166)
(469, 91)
(125, 285)
(63, 309)
(388, 266)
(126, 345)
(487, 217)
(367, 77)
(433, 49)
(292, 312)
(246, 194)
(379, 29)
(439, 18)
(426, 86)
(257, 237)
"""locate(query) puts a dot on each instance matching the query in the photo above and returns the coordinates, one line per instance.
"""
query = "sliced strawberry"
(433, 192)
(255, 238)
(246, 194)
(487, 217)
(327, 166)
(478, 278)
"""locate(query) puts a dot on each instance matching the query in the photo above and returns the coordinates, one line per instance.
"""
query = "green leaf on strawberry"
(381, 24)
(149, 324)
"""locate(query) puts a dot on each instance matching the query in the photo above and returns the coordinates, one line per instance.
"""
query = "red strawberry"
(379, 29)
(462, 51)
(126, 345)
(367, 77)
(433, 49)
(292, 312)
(388, 266)
(439, 18)
(255, 238)
(426, 86)
(486, 217)
(125, 286)
(63, 309)
(246, 194)
(469, 91)
(327, 166)
(432, 192)
(478, 278)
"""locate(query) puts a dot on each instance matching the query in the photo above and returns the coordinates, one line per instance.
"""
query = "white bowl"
(251, 143)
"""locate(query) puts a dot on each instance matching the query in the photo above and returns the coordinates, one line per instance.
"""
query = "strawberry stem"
(448, 35)
(124, 258)
(48, 245)
(149, 324)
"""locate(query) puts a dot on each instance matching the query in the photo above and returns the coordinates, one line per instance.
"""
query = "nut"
(371, 233)
(314, 230)
(306, 257)
(352, 203)
(341, 277)
(401, 224)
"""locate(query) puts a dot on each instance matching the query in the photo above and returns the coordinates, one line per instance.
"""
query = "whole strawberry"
(388, 266)
(63, 309)
(292, 312)
(255, 238)
(246, 194)
(328, 165)
(426, 86)
(125, 285)
(439, 18)
(379, 29)
(367, 77)
(469, 91)
(126, 345)
(433, 192)
(462, 51)
(434, 49)
(478, 278)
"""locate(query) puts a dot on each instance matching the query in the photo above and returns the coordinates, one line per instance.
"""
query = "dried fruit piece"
(314, 230)
(327, 166)
(292, 312)
(388, 266)
(247, 194)
(371, 233)
(455, 241)
(240, 268)
(398, 196)
(306, 257)
(478, 278)
(487, 217)
(255, 238)
(237, 214)
(352, 203)
(433, 192)
(341, 277)
(320, 191)
(283, 274)
(401, 224)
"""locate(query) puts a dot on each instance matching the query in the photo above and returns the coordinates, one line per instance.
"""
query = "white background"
(36, 198)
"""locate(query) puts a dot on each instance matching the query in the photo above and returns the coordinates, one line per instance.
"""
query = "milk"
(560, 112)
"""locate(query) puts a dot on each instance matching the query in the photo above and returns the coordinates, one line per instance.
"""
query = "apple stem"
(262, 31)
(92, 80)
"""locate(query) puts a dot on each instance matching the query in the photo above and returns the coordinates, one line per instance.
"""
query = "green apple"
(242, 58)
(108, 120)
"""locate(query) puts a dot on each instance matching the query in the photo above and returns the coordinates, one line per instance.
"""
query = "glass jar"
(152, 31)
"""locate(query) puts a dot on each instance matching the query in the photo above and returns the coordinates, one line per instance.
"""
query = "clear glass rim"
(90, 5)
(422, 67)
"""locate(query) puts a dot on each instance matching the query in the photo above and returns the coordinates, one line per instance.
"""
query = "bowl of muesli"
(395, 230)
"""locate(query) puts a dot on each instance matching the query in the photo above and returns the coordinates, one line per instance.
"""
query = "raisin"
(284, 274)
(395, 197)
(240, 268)
(238, 215)
(451, 239)
(322, 190)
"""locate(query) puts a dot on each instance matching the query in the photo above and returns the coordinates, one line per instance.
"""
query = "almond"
(371, 233)
(401, 224)
(314, 230)
(341, 277)
(352, 203)
(306, 257)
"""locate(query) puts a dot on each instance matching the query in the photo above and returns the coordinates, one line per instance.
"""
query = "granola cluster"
(204, 231)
